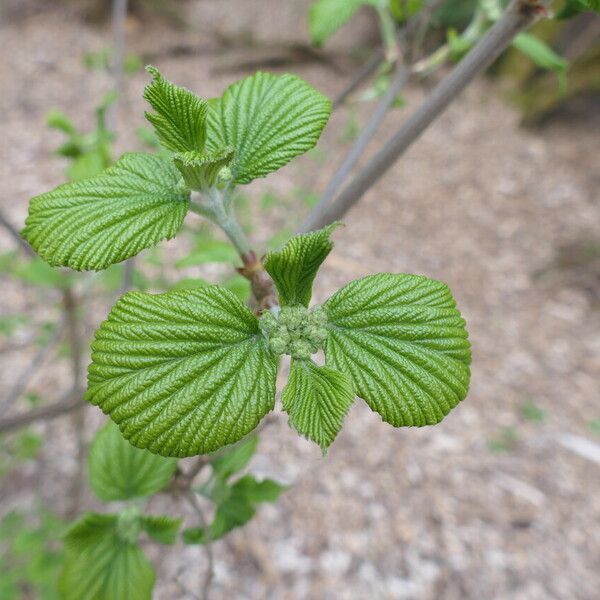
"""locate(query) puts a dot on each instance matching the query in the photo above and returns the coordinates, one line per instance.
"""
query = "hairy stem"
(518, 16)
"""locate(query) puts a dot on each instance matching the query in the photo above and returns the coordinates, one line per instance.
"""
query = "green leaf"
(182, 373)
(203, 171)
(573, 7)
(295, 266)
(269, 119)
(255, 492)
(540, 53)
(119, 471)
(209, 251)
(161, 528)
(180, 117)
(403, 343)
(237, 508)
(100, 564)
(325, 17)
(317, 399)
(93, 223)
(234, 459)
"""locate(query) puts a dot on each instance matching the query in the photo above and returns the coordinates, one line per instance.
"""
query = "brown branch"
(69, 402)
(517, 17)
(263, 289)
(14, 233)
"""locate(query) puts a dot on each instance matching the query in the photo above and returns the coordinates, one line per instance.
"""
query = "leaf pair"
(103, 558)
(257, 126)
(188, 372)
(235, 502)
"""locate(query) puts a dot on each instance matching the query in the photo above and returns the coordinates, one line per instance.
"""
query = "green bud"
(295, 330)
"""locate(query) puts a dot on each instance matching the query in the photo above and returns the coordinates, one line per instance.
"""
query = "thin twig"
(400, 78)
(518, 16)
(14, 233)
(19, 387)
(362, 75)
(208, 576)
(73, 327)
(69, 402)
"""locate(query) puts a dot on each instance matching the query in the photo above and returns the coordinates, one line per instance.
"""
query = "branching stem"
(518, 16)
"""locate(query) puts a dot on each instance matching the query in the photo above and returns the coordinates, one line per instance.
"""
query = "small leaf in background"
(238, 507)
(182, 373)
(189, 283)
(325, 17)
(10, 324)
(35, 271)
(295, 266)
(239, 286)
(573, 7)
(56, 119)
(531, 412)
(542, 55)
(505, 441)
(101, 564)
(269, 120)
(27, 445)
(180, 117)
(403, 343)
(209, 251)
(119, 471)
(255, 492)
(403, 9)
(30, 556)
(111, 279)
(595, 426)
(106, 219)
(317, 400)
(231, 460)
(161, 528)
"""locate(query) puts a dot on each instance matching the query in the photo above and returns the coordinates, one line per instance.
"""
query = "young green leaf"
(180, 117)
(269, 119)
(161, 528)
(574, 7)
(295, 266)
(182, 373)
(100, 564)
(234, 459)
(403, 343)
(540, 53)
(325, 17)
(203, 171)
(317, 399)
(237, 508)
(119, 471)
(256, 492)
(93, 223)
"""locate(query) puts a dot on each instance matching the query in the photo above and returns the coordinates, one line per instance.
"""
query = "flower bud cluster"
(296, 331)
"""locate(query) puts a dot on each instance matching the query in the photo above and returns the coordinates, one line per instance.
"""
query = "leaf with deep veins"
(295, 266)
(403, 342)
(180, 117)
(182, 373)
(93, 223)
(317, 399)
(101, 564)
(268, 119)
